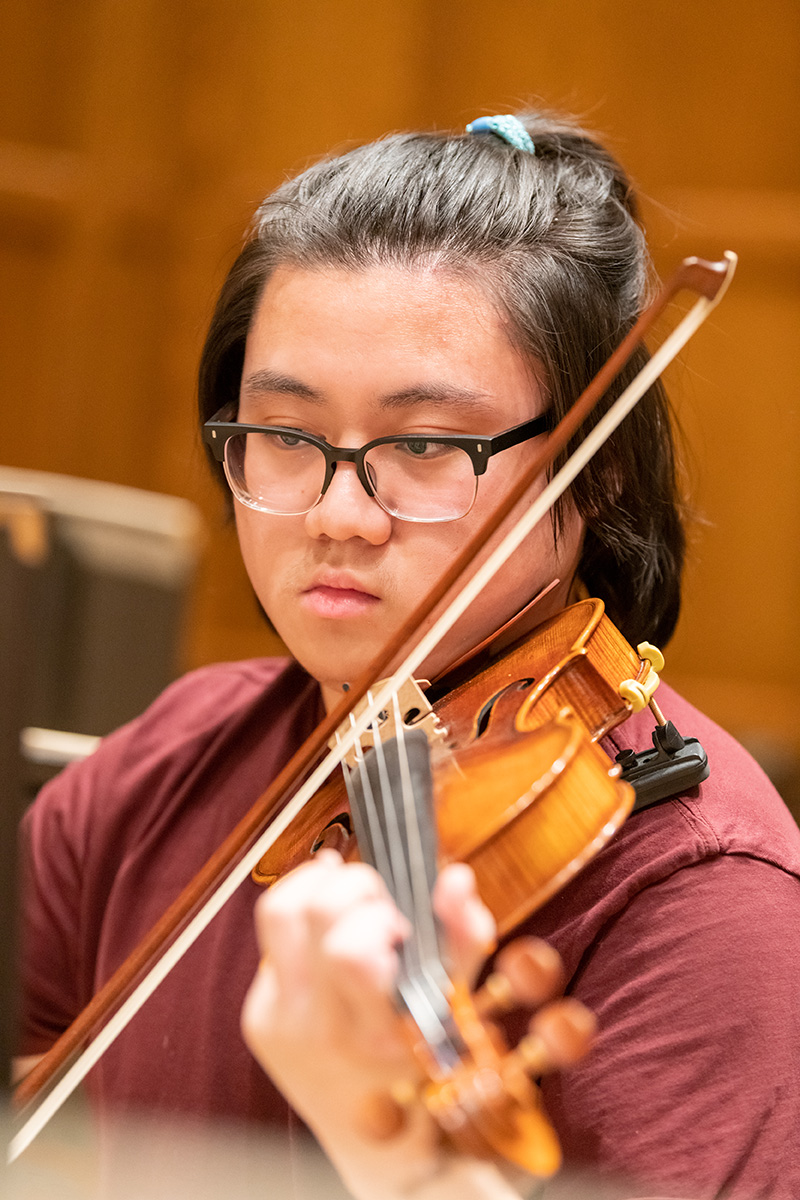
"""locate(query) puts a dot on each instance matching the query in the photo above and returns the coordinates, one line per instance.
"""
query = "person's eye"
(284, 440)
(423, 448)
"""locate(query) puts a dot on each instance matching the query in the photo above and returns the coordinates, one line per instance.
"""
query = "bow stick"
(139, 976)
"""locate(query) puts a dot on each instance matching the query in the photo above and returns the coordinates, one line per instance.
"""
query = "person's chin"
(339, 654)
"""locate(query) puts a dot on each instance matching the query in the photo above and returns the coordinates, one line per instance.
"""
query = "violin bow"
(121, 997)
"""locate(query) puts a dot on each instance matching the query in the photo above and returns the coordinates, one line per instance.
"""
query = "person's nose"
(346, 511)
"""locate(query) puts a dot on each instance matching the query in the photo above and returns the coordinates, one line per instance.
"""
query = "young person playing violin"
(389, 305)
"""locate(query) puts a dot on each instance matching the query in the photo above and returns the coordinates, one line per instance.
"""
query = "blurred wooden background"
(137, 137)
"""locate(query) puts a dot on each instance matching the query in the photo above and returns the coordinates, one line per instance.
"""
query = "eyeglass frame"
(479, 450)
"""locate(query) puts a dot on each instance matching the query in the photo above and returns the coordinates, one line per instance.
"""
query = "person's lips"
(339, 596)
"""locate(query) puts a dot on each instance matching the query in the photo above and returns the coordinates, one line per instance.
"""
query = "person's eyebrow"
(267, 381)
(437, 393)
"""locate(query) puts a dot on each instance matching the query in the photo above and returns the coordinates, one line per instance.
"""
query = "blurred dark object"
(106, 603)
(93, 579)
(779, 762)
(24, 542)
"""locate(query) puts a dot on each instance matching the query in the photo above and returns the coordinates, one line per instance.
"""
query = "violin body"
(523, 792)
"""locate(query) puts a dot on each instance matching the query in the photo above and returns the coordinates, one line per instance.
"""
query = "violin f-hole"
(336, 835)
(486, 710)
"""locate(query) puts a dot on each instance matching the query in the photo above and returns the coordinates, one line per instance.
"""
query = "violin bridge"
(415, 713)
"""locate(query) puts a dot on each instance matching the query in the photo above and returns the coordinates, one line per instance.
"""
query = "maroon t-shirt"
(682, 935)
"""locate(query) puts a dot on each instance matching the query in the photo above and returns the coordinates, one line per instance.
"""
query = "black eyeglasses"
(286, 472)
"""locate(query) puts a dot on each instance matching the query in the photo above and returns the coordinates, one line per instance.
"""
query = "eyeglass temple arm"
(520, 433)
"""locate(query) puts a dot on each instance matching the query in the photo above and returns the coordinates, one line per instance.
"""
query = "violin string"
(423, 982)
(386, 845)
(419, 652)
(411, 958)
(385, 841)
(396, 880)
(378, 843)
(391, 836)
(420, 888)
(421, 995)
(426, 986)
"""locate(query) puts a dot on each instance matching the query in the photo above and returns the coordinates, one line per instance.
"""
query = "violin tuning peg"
(560, 1034)
(534, 1055)
(528, 971)
(646, 650)
(564, 1032)
(532, 968)
(495, 996)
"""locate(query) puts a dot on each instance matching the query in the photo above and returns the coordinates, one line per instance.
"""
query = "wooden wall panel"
(739, 408)
(136, 139)
(48, 47)
(707, 95)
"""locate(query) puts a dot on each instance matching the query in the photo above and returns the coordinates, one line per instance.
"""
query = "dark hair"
(554, 238)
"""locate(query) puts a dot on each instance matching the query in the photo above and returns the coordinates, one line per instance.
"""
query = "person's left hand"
(320, 1017)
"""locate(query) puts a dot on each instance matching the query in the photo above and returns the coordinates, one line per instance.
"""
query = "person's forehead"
(424, 336)
(405, 297)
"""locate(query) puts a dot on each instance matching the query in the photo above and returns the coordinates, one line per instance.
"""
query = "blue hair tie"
(507, 127)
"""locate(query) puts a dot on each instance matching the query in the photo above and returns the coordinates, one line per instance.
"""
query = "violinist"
(392, 309)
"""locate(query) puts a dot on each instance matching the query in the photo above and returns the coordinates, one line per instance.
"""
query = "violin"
(503, 772)
(545, 729)
(523, 792)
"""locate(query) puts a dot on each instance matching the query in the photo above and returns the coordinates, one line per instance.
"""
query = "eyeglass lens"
(415, 479)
